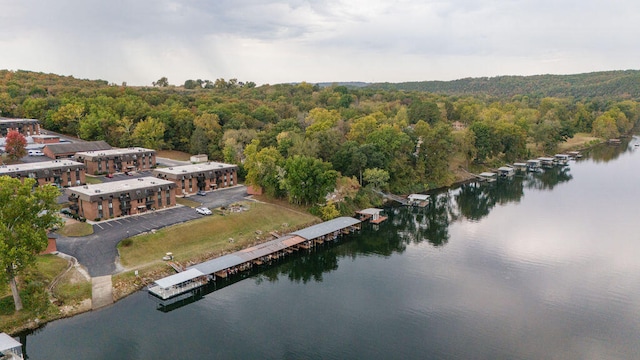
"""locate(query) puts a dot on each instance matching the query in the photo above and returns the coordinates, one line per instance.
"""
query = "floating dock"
(182, 285)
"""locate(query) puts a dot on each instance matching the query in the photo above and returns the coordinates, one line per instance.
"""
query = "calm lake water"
(540, 267)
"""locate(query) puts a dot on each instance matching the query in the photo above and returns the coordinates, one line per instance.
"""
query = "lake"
(543, 266)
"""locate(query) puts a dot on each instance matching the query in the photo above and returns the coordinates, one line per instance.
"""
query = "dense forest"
(301, 141)
(607, 84)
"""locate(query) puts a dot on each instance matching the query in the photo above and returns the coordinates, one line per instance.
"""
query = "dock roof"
(370, 211)
(7, 342)
(326, 227)
(179, 278)
(418, 197)
(248, 254)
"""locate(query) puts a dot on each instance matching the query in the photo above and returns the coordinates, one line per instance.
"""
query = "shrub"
(126, 242)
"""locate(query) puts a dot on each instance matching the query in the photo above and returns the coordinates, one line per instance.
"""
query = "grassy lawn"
(209, 236)
(187, 202)
(93, 180)
(33, 285)
(76, 229)
(579, 141)
(173, 154)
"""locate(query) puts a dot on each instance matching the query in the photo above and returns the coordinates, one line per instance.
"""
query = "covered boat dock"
(420, 200)
(10, 348)
(179, 283)
(195, 276)
(372, 215)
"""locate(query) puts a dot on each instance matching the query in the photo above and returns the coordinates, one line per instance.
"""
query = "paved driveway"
(98, 251)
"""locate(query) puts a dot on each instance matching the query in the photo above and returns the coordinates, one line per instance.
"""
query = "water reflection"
(609, 152)
(405, 226)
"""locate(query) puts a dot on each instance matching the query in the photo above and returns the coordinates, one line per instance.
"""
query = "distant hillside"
(619, 84)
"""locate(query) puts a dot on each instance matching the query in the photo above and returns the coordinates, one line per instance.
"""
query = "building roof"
(7, 342)
(175, 171)
(4, 120)
(327, 227)
(113, 152)
(179, 278)
(45, 136)
(91, 192)
(78, 147)
(42, 165)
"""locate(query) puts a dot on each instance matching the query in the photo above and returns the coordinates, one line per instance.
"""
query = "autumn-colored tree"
(15, 145)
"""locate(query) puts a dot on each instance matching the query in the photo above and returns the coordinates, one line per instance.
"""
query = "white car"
(203, 211)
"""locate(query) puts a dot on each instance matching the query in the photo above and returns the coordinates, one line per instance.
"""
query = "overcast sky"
(270, 41)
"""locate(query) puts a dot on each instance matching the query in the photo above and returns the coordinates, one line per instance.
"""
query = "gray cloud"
(324, 40)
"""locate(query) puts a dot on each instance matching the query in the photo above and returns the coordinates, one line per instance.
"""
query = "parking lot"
(98, 251)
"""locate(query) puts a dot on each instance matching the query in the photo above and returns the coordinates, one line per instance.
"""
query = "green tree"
(378, 178)
(162, 82)
(263, 167)
(27, 212)
(485, 140)
(604, 126)
(15, 145)
(424, 110)
(307, 180)
(149, 133)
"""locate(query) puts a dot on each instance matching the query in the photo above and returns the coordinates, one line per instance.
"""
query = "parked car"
(203, 211)
(202, 193)
(35, 153)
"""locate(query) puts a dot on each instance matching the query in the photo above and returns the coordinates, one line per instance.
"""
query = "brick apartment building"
(63, 173)
(68, 150)
(46, 139)
(27, 127)
(190, 179)
(121, 198)
(117, 160)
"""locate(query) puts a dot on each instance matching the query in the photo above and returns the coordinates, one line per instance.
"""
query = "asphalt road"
(98, 252)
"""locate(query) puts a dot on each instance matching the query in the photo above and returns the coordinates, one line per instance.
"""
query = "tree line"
(298, 141)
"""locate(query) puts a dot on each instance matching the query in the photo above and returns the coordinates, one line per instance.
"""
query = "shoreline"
(122, 289)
